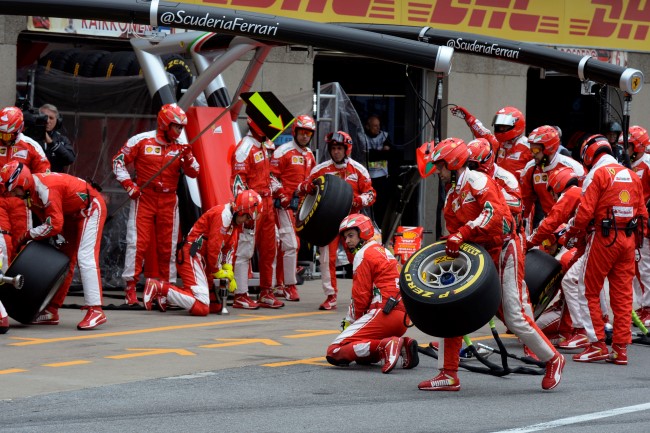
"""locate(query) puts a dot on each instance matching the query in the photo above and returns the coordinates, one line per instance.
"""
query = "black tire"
(117, 64)
(90, 61)
(543, 278)
(176, 65)
(458, 296)
(320, 214)
(43, 267)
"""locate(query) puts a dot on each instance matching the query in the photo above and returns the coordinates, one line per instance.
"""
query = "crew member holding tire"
(291, 164)
(339, 147)
(206, 250)
(476, 211)
(155, 207)
(251, 169)
(71, 207)
(375, 322)
(612, 197)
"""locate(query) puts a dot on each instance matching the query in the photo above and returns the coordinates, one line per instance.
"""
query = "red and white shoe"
(579, 340)
(618, 355)
(444, 381)
(130, 296)
(94, 317)
(267, 300)
(4, 324)
(644, 315)
(528, 353)
(291, 293)
(49, 316)
(278, 291)
(553, 374)
(410, 357)
(595, 352)
(329, 304)
(390, 350)
(154, 291)
(243, 301)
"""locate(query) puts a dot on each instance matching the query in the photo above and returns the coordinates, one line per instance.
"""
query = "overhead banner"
(610, 24)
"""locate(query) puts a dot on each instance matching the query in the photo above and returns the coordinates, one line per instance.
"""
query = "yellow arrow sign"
(312, 333)
(150, 352)
(241, 342)
(275, 121)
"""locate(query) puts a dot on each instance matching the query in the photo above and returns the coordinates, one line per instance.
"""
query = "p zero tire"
(447, 297)
(44, 268)
(543, 277)
(321, 213)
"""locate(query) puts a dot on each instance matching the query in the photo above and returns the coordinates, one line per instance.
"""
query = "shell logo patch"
(624, 196)
(3, 151)
(297, 160)
(541, 178)
(259, 156)
(152, 150)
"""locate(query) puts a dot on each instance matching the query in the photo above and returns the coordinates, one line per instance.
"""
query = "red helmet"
(509, 123)
(561, 178)
(480, 152)
(638, 137)
(168, 114)
(342, 139)
(423, 156)
(303, 122)
(547, 137)
(248, 202)
(15, 174)
(592, 147)
(11, 123)
(360, 222)
(453, 151)
(255, 129)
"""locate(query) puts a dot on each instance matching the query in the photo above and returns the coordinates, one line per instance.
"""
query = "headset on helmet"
(169, 114)
(638, 137)
(593, 146)
(303, 122)
(11, 123)
(510, 122)
(341, 138)
(358, 221)
(452, 151)
(561, 178)
(480, 153)
(547, 137)
(248, 202)
(15, 174)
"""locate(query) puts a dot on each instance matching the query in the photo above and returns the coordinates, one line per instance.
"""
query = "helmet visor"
(504, 120)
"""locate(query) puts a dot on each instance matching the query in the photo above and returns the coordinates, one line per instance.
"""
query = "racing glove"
(460, 112)
(283, 198)
(454, 241)
(357, 202)
(131, 189)
(24, 238)
(306, 187)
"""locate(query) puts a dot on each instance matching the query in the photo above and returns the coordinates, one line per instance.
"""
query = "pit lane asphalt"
(265, 371)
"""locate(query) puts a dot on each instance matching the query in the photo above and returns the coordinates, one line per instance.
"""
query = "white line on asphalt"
(579, 419)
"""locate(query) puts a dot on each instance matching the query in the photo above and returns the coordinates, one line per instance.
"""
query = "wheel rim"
(307, 206)
(439, 271)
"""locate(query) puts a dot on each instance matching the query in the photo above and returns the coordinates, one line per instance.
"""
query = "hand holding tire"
(306, 187)
(452, 248)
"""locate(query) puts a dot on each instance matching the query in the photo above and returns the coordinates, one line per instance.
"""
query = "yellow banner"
(611, 24)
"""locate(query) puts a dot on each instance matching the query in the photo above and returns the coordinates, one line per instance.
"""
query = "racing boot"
(155, 290)
(594, 352)
(329, 304)
(446, 380)
(49, 316)
(579, 340)
(130, 296)
(390, 350)
(410, 357)
(553, 374)
(94, 317)
(267, 300)
(242, 300)
(618, 355)
(291, 293)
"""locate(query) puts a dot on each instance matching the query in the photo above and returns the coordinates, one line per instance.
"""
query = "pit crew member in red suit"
(370, 332)
(155, 205)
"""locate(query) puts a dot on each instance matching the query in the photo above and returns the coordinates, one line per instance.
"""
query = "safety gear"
(423, 156)
(329, 303)
(306, 187)
(509, 123)
(480, 153)
(460, 112)
(594, 352)
(339, 138)
(130, 296)
(553, 374)
(445, 381)
(578, 340)
(248, 202)
(547, 137)
(410, 357)
(15, 174)
(618, 355)
(267, 300)
(49, 316)
(242, 300)
(362, 223)
(291, 293)
(452, 248)
(154, 291)
(561, 178)
(131, 189)
(638, 137)
(303, 122)
(171, 114)
(452, 151)
(11, 123)
(94, 317)
(24, 238)
(592, 147)
(390, 350)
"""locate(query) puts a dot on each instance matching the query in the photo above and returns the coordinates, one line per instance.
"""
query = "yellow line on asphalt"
(309, 361)
(12, 370)
(92, 336)
(67, 364)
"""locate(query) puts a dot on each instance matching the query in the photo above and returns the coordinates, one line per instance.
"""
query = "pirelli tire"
(447, 297)
(543, 277)
(320, 214)
(43, 268)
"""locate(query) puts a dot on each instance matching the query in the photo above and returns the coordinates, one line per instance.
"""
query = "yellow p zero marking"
(68, 363)
(312, 333)
(12, 371)
(241, 342)
(150, 352)
(34, 341)
(309, 361)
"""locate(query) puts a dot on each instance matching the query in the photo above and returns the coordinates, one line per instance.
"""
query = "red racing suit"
(641, 282)
(71, 207)
(211, 238)
(375, 279)
(475, 208)
(157, 208)
(290, 165)
(534, 181)
(251, 169)
(610, 191)
(357, 176)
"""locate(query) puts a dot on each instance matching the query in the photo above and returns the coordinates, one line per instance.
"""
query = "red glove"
(357, 202)
(306, 187)
(529, 245)
(186, 151)
(454, 241)
(131, 188)
(460, 112)
(26, 237)
(284, 198)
